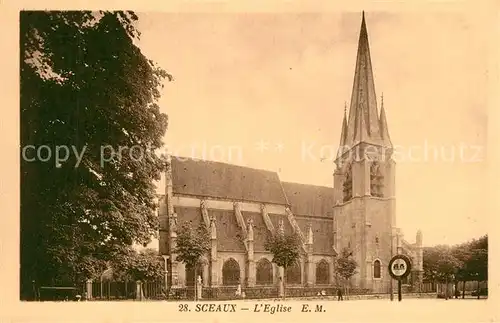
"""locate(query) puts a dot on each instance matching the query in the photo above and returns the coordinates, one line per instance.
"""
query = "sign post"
(399, 268)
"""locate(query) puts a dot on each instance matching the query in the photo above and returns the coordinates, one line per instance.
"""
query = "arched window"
(230, 273)
(376, 269)
(190, 277)
(264, 272)
(376, 180)
(322, 272)
(348, 184)
(293, 274)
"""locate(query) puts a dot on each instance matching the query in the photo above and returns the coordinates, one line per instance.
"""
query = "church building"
(242, 206)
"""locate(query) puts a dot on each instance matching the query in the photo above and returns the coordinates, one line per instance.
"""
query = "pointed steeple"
(363, 124)
(344, 127)
(384, 130)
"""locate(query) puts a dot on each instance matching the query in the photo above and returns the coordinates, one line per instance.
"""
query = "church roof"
(322, 233)
(198, 177)
(309, 200)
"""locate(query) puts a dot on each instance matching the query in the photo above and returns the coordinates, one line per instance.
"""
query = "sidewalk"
(353, 297)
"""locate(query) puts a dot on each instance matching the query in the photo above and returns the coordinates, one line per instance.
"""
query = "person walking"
(339, 294)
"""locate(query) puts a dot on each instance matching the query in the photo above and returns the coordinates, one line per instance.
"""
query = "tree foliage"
(346, 265)
(463, 262)
(85, 85)
(192, 244)
(440, 264)
(477, 263)
(145, 265)
(284, 247)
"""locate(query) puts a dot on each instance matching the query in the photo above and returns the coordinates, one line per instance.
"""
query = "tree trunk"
(284, 282)
(194, 285)
(463, 289)
(347, 289)
(446, 289)
(478, 289)
(456, 289)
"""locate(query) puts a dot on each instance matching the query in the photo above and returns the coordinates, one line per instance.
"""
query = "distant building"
(242, 206)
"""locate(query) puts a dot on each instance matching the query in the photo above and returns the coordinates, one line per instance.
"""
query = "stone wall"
(378, 236)
(364, 227)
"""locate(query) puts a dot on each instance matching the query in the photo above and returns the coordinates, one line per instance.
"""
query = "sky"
(267, 90)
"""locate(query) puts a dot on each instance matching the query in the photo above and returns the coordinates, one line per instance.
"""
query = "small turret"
(213, 228)
(281, 228)
(250, 229)
(419, 238)
(310, 237)
(384, 129)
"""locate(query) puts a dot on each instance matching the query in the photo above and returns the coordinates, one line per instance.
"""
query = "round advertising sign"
(399, 266)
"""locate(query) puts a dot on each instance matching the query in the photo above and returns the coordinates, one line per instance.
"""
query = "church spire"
(363, 124)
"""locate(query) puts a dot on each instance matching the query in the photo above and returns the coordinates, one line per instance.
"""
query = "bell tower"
(364, 179)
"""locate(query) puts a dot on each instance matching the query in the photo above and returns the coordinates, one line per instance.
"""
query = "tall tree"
(448, 266)
(462, 253)
(191, 245)
(431, 257)
(463, 262)
(86, 89)
(346, 266)
(440, 265)
(285, 249)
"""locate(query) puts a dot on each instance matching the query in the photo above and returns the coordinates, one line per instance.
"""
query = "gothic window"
(230, 273)
(376, 269)
(348, 184)
(376, 180)
(376, 240)
(322, 272)
(190, 277)
(264, 272)
(293, 274)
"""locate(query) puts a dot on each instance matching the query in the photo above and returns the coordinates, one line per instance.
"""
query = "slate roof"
(309, 203)
(197, 177)
(188, 214)
(275, 218)
(229, 236)
(260, 232)
(310, 200)
(322, 233)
